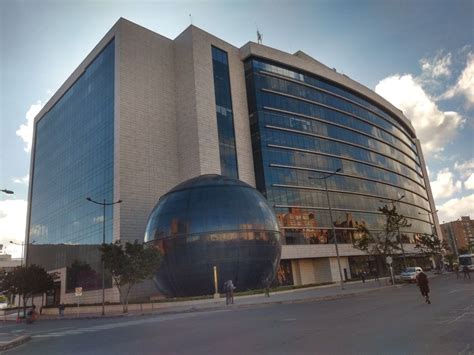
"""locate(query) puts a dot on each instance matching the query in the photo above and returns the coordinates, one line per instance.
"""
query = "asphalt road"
(389, 321)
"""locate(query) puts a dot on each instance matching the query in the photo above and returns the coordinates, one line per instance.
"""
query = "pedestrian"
(229, 292)
(362, 276)
(266, 284)
(465, 271)
(267, 291)
(422, 281)
(31, 315)
(456, 269)
(376, 275)
(61, 308)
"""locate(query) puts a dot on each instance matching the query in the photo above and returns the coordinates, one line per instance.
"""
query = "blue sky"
(417, 54)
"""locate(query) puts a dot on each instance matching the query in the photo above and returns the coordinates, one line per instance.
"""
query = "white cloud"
(467, 165)
(434, 127)
(445, 185)
(12, 224)
(469, 183)
(455, 208)
(436, 67)
(22, 180)
(465, 169)
(25, 131)
(465, 83)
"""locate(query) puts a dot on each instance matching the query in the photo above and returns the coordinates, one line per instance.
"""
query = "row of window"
(306, 219)
(390, 133)
(320, 129)
(275, 136)
(258, 65)
(318, 162)
(292, 106)
(304, 178)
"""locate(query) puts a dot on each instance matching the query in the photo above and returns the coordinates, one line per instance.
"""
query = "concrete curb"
(221, 307)
(5, 345)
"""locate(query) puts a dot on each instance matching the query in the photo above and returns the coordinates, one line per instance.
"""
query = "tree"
(129, 265)
(27, 281)
(450, 258)
(463, 250)
(385, 243)
(432, 246)
(80, 273)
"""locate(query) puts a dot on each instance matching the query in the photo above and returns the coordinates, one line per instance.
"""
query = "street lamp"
(324, 178)
(8, 192)
(103, 204)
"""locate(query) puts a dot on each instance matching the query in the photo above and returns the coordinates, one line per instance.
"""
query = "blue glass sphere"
(208, 221)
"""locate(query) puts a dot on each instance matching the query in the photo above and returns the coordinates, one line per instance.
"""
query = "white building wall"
(196, 107)
(146, 142)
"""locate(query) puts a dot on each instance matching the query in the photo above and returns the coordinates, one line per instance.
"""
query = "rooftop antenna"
(191, 18)
(259, 37)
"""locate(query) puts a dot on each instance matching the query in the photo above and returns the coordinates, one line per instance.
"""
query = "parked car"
(410, 273)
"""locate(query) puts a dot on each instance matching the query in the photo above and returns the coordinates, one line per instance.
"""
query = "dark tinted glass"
(303, 128)
(73, 160)
(225, 118)
(214, 221)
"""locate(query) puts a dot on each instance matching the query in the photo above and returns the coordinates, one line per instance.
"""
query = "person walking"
(362, 276)
(61, 308)
(465, 271)
(423, 284)
(456, 269)
(229, 292)
(375, 273)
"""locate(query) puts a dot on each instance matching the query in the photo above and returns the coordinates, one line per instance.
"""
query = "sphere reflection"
(208, 221)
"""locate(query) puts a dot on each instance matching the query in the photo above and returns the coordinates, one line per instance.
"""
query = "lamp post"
(104, 203)
(398, 227)
(324, 178)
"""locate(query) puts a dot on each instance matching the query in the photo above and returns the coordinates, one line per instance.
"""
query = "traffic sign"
(389, 260)
(78, 291)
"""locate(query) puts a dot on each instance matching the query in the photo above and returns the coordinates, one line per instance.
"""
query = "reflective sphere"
(208, 221)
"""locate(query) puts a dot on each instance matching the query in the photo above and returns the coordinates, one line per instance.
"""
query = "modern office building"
(143, 113)
(459, 234)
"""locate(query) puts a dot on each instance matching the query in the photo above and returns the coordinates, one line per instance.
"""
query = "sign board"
(78, 291)
(389, 260)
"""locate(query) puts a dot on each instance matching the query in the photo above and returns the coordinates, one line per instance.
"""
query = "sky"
(419, 55)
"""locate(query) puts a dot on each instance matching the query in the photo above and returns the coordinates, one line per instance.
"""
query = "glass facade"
(225, 118)
(210, 221)
(73, 159)
(304, 127)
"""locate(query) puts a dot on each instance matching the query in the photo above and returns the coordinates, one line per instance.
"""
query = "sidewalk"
(318, 293)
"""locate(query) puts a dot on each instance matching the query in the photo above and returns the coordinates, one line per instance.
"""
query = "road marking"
(288, 320)
(95, 328)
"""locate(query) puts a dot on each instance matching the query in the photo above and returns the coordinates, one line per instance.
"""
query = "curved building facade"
(306, 126)
(208, 221)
